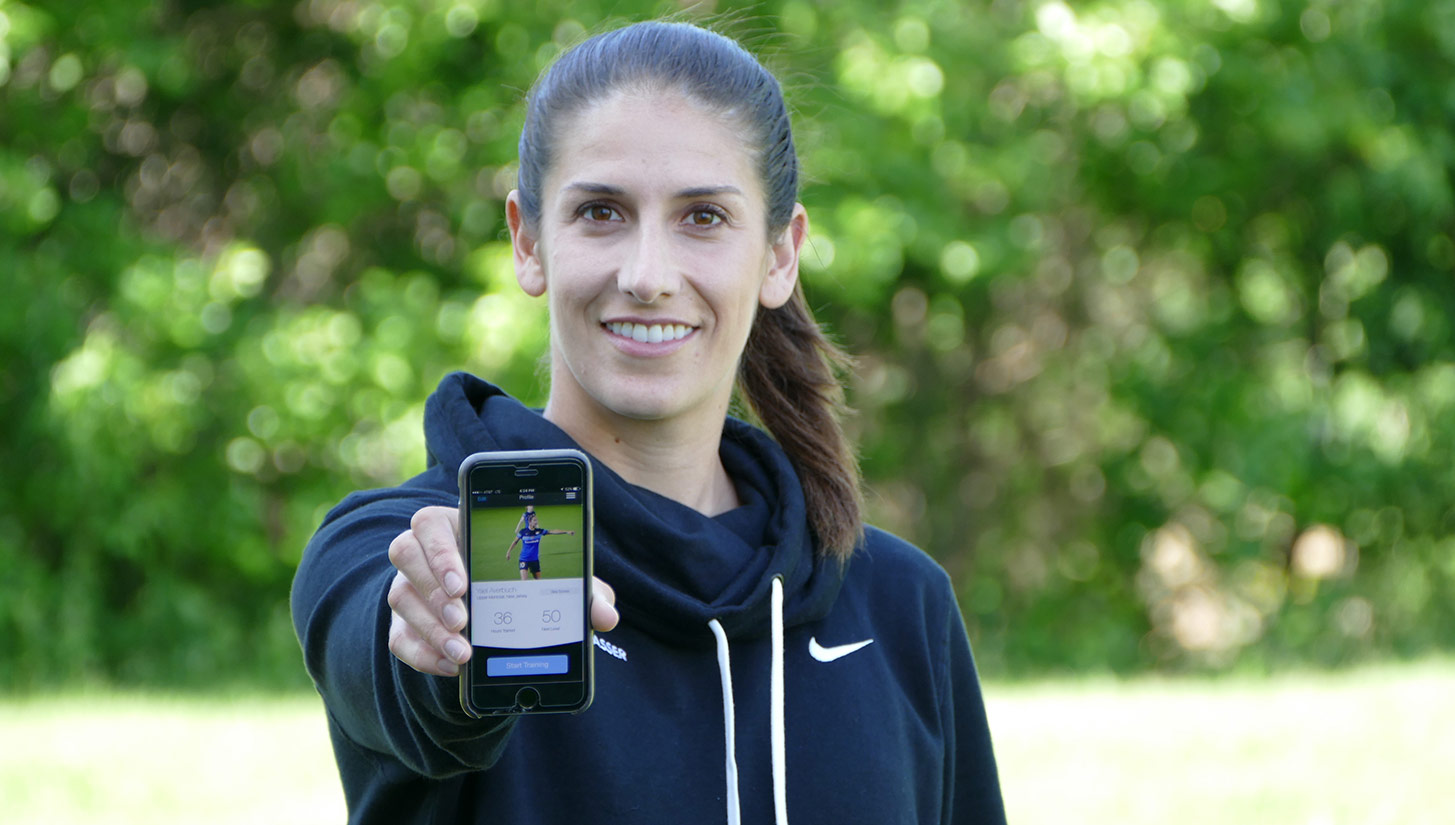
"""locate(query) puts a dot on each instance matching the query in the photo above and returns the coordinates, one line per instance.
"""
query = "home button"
(527, 698)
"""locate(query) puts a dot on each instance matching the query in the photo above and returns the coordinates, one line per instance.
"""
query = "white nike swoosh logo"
(828, 654)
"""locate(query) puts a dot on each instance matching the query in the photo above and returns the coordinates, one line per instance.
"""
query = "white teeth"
(653, 334)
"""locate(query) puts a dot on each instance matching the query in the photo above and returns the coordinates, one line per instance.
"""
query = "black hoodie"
(863, 707)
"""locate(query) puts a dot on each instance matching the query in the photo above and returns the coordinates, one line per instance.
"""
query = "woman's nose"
(650, 273)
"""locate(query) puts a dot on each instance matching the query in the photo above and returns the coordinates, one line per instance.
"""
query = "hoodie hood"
(674, 569)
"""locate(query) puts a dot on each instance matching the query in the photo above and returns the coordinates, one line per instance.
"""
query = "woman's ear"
(782, 275)
(529, 272)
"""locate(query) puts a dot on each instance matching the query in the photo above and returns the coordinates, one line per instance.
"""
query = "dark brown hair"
(789, 371)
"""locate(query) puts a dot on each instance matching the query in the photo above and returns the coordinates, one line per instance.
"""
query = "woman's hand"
(426, 599)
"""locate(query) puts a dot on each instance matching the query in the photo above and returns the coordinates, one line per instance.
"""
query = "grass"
(153, 759)
(1365, 747)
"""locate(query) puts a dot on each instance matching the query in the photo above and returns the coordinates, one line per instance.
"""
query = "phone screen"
(528, 532)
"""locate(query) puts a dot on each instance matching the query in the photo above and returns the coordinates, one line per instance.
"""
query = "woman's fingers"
(424, 597)
(428, 554)
(438, 532)
(603, 606)
(417, 638)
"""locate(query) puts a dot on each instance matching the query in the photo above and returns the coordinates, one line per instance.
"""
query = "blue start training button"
(525, 665)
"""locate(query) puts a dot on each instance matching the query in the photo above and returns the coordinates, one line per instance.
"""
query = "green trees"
(1152, 302)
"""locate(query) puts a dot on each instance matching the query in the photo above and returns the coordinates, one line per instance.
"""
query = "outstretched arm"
(379, 645)
(378, 606)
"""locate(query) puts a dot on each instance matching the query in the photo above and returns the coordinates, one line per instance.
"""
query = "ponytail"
(789, 376)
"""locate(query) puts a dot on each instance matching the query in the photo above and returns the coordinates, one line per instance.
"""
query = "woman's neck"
(676, 459)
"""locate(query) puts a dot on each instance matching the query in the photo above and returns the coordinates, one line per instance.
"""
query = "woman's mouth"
(649, 333)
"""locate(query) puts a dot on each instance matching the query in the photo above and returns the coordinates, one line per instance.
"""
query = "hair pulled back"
(789, 370)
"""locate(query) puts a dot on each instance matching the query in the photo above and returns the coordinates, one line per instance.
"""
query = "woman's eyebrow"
(593, 188)
(709, 191)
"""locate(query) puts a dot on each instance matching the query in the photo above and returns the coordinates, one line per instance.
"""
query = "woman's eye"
(599, 212)
(704, 217)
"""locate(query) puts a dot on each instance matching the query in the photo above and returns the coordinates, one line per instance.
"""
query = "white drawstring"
(730, 728)
(780, 763)
(778, 739)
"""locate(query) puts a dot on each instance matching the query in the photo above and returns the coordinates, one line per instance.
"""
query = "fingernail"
(455, 649)
(454, 585)
(450, 668)
(454, 615)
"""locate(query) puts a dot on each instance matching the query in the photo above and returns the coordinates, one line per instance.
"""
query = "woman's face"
(653, 250)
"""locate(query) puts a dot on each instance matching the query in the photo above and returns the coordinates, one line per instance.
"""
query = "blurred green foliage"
(1152, 302)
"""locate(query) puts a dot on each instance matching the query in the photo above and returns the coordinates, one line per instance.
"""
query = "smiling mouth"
(649, 334)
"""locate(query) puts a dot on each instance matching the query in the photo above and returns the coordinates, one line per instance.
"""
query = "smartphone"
(525, 535)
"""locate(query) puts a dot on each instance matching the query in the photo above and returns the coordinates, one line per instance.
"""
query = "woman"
(529, 538)
(774, 658)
